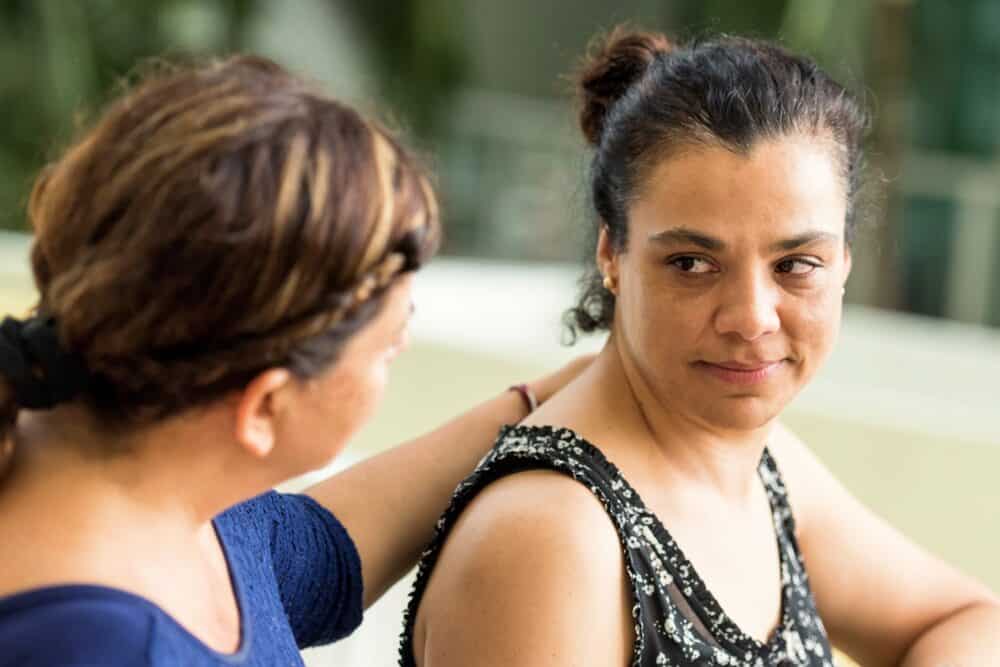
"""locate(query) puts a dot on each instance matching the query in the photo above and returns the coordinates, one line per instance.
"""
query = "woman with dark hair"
(725, 178)
(224, 266)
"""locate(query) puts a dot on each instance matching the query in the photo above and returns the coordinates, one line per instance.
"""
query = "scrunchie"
(41, 373)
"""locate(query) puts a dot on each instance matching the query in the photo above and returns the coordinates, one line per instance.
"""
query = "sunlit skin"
(729, 297)
(202, 461)
(336, 403)
(728, 300)
(730, 287)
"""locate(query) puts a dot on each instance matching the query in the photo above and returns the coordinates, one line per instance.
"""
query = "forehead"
(780, 186)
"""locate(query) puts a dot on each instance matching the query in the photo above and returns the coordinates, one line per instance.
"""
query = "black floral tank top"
(678, 622)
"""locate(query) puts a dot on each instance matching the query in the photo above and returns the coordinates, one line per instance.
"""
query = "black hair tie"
(41, 373)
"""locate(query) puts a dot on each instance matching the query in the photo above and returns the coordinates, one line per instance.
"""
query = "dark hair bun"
(614, 63)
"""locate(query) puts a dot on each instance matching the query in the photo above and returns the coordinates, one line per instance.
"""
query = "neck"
(178, 473)
(81, 506)
(679, 447)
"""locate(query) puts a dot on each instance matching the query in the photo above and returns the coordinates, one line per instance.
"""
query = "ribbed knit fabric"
(295, 571)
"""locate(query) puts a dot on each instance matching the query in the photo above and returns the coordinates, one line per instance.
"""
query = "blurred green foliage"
(59, 60)
(419, 55)
(482, 86)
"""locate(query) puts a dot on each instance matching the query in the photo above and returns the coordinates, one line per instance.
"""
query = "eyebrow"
(803, 239)
(685, 235)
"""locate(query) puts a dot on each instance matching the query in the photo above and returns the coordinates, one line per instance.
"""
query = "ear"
(257, 411)
(606, 257)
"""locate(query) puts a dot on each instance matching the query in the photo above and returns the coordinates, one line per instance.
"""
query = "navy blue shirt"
(294, 569)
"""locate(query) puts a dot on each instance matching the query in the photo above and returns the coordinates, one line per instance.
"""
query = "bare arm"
(965, 639)
(533, 574)
(885, 600)
(390, 502)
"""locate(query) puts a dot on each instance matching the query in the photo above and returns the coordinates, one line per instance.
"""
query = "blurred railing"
(513, 174)
(972, 187)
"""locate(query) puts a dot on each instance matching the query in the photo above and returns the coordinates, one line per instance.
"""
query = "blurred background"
(907, 412)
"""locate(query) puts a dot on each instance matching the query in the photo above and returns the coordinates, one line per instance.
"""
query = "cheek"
(363, 390)
(375, 384)
(659, 324)
(343, 403)
(671, 313)
(814, 325)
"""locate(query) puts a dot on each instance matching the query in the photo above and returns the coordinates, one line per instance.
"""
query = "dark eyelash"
(672, 261)
(800, 260)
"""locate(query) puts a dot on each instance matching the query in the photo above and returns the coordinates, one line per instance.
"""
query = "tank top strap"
(678, 623)
(781, 510)
(517, 449)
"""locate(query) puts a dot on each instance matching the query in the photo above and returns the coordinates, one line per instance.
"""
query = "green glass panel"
(926, 243)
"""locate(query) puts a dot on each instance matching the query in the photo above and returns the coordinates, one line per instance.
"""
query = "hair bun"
(614, 63)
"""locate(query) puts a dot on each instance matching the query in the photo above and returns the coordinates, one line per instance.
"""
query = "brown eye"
(796, 267)
(691, 264)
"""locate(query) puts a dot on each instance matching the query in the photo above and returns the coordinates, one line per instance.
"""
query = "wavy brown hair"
(219, 220)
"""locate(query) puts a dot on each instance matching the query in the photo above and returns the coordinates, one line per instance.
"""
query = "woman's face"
(729, 292)
(330, 408)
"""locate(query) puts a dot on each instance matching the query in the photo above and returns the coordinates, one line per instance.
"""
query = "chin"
(318, 454)
(743, 413)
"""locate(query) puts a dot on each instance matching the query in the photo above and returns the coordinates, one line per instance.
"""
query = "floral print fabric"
(678, 622)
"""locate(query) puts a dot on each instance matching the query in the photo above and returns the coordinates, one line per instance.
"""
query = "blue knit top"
(294, 569)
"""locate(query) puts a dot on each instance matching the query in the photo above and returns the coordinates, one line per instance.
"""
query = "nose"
(748, 308)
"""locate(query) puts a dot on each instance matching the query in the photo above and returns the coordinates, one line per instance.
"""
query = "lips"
(742, 373)
(744, 366)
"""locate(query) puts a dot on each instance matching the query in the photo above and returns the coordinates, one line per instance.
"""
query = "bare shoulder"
(523, 522)
(531, 571)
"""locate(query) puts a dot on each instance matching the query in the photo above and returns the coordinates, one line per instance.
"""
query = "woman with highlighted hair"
(654, 512)
(223, 265)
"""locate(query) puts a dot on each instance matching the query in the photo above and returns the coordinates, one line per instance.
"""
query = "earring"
(609, 283)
